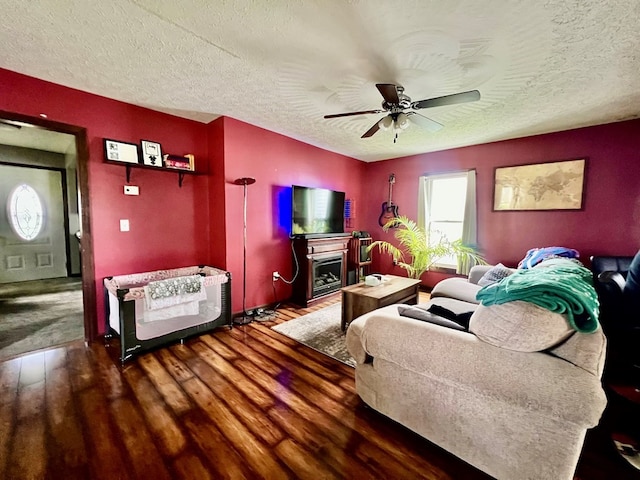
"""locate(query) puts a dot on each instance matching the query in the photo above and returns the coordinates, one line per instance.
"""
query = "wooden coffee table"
(360, 298)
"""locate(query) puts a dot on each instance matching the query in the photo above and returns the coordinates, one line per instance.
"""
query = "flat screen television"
(316, 211)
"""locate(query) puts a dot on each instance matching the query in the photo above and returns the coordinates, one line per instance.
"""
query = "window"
(448, 209)
(26, 213)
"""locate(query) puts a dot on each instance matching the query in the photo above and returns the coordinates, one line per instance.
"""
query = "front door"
(44, 255)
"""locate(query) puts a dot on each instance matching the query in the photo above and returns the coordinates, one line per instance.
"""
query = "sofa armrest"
(477, 272)
(613, 280)
(534, 381)
(458, 288)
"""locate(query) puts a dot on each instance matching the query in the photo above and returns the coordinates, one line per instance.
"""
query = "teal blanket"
(565, 288)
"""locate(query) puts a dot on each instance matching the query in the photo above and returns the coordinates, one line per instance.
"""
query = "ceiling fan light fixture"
(402, 121)
(386, 123)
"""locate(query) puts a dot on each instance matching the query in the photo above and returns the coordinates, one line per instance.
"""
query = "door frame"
(86, 243)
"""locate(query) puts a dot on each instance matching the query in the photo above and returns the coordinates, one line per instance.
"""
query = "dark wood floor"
(240, 403)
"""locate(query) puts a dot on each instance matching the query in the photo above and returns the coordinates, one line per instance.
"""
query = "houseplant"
(414, 242)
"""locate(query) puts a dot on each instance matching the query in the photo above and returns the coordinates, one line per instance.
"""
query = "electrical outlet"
(275, 276)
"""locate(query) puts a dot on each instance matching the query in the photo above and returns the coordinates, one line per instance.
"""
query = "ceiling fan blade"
(371, 131)
(364, 112)
(463, 97)
(425, 122)
(389, 92)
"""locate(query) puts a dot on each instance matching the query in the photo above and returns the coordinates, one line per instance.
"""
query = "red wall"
(276, 162)
(202, 221)
(169, 225)
(608, 224)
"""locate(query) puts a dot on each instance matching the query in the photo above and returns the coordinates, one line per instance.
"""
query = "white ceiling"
(283, 64)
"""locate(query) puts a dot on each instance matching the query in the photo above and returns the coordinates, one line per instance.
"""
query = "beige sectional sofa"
(512, 414)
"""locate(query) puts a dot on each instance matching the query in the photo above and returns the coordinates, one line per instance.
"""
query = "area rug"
(320, 330)
(40, 314)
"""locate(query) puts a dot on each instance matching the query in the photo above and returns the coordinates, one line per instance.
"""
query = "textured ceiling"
(540, 66)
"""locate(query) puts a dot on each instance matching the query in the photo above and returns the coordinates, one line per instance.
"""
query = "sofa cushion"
(458, 288)
(495, 274)
(519, 326)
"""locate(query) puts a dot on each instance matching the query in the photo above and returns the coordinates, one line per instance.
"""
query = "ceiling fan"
(396, 103)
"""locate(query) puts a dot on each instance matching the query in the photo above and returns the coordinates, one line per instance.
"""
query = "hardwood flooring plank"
(181, 351)
(139, 446)
(303, 360)
(173, 365)
(55, 358)
(257, 395)
(157, 414)
(104, 447)
(219, 347)
(28, 459)
(312, 354)
(109, 377)
(303, 464)
(6, 429)
(165, 384)
(256, 455)
(9, 378)
(81, 370)
(245, 351)
(32, 369)
(306, 433)
(65, 431)
(189, 467)
(31, 400)
(220, 455)
(251, 415)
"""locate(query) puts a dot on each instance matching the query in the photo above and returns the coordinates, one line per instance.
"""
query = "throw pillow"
(495, 274)
(519, 326)
(418, 313)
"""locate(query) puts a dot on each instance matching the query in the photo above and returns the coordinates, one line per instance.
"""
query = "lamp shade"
(402, 121)
(385, 123)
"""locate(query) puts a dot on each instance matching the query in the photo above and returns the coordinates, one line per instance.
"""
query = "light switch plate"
(124, 225)
(131, 190)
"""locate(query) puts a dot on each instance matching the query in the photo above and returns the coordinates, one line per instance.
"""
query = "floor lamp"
(244, 319)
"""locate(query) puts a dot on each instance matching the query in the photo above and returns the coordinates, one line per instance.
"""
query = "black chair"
(620, 322)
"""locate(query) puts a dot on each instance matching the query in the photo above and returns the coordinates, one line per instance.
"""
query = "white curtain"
(424, 202)
(469, 224)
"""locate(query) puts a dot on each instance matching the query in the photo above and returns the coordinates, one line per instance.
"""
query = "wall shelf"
(130, 166)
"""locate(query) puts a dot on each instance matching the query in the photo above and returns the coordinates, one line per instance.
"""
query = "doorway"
(34, 227)
(78, 262)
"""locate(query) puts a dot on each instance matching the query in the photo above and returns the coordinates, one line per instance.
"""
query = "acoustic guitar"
(389, 209)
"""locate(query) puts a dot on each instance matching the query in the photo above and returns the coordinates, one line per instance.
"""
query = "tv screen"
(317, 210)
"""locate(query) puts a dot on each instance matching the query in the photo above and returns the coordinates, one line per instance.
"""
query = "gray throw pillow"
(494, 275)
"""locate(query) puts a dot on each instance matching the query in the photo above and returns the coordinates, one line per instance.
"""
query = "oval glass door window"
(26, 213)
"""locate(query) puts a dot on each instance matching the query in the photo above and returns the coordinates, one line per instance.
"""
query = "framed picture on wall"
(540, 186)
(116, 151)
(151, 153)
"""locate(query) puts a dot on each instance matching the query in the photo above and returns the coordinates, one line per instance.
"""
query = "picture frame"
(557, 185)
(151, 153)
(117, 151)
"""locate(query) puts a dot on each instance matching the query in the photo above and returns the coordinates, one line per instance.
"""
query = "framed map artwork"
(542, 186)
